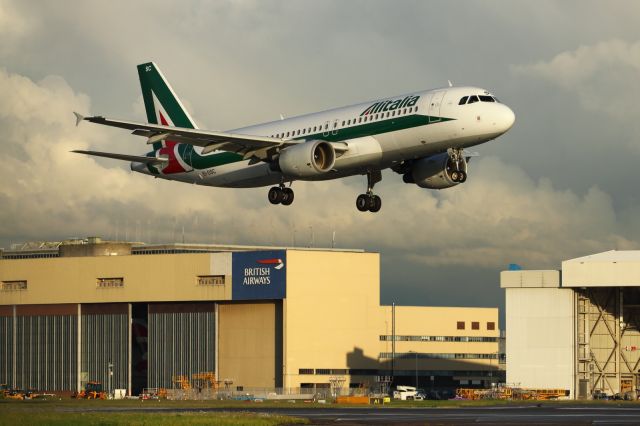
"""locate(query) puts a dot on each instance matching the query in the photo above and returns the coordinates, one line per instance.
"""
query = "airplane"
(422, 136)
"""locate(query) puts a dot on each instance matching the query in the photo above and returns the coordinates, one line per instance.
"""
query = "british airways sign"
(259, 275)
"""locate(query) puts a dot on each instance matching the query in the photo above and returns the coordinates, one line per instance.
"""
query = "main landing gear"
(457, 160)
(281, 195)
(369, 201)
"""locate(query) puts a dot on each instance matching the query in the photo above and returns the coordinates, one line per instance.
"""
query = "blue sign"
(259, 275)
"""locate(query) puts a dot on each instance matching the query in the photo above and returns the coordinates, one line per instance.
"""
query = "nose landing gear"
(458, 174)
(369, 201)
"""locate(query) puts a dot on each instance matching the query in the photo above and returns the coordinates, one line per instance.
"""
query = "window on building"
(323, 371)
(475, 325)
(14, 285)
(460, 325)
(211, 279)
(110, 282)
(491, 325)
(305, 371)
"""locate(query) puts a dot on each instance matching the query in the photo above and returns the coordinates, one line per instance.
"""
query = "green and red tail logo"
(163, 107)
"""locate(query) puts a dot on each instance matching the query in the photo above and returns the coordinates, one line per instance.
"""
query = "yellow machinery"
(539, 394)
(204, 380)
(181, 382)
(505, 392)
(92, 390)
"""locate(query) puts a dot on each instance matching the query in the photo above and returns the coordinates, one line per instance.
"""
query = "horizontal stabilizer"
(79, 118)
(125, 157)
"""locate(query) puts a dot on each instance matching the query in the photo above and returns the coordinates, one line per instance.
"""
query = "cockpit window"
(463, 100)
(484, 98)
(472, 99)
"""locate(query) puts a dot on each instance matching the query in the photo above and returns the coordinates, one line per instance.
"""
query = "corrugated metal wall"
(181, 341)
(47, 351)
(105, 339)
(6, 350)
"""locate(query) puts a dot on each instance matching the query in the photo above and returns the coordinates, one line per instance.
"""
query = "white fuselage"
(373, 136)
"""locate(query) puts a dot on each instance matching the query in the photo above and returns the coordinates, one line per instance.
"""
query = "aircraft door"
(325, 129)
(434, 106)
(334, 129)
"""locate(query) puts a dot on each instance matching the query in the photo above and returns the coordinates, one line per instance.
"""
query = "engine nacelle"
(307, 159)
(434, 172)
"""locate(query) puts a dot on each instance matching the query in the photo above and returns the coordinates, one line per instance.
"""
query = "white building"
(577, 328)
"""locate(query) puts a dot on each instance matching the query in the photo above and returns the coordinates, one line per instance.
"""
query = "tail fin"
(160, 101)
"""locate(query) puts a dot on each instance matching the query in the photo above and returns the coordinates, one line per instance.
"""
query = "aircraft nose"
(506, 117)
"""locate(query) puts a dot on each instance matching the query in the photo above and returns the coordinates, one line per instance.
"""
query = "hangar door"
(250, 344)
(181, 343)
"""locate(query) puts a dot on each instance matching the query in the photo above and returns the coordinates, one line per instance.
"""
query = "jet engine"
(307, 159)
(436, 172)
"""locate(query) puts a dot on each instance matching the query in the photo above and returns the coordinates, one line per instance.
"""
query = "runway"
(542, 414)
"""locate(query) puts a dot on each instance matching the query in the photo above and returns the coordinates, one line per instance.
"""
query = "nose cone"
(505, 118)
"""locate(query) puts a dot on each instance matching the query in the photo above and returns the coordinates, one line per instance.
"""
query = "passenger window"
(335, 124)
(486, 98)
(463, 100)
(326, 126)
(472, 99)
(287, 134)
(415, 109)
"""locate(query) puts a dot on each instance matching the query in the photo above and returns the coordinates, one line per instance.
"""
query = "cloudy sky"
(560, 184)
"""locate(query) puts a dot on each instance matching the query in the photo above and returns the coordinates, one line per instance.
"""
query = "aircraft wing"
(125, 157)
(249, 146)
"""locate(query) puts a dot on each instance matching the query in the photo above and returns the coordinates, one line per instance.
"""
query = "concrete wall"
(147, 278)
(540, 337)
(332, 310)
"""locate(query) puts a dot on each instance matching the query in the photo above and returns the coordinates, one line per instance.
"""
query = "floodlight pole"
(393, 343)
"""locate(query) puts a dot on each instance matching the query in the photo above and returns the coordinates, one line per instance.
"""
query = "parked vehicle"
(407, 393)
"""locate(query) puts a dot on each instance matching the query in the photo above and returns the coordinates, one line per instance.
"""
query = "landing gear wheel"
(287, 198)
(362, 202)
(375, 203)
(275, 195)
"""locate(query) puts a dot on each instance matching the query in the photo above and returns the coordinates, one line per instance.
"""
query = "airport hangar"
(577, 328)
(255, 317)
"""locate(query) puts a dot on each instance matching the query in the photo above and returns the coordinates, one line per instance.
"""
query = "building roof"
(614, 268)
(609, 256)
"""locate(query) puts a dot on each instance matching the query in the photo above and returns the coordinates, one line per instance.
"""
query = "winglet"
(79, 118)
